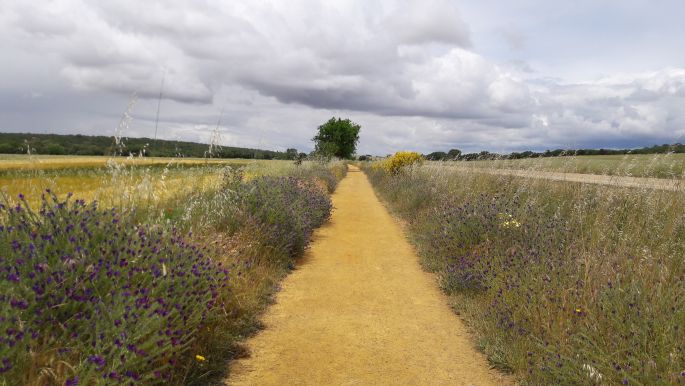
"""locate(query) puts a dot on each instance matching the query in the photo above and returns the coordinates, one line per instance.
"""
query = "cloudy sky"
(419, 75)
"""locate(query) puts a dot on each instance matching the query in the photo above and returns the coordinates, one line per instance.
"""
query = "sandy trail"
(619, 181)
(360, 311)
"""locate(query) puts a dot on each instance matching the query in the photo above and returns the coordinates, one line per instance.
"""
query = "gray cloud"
(408, 71)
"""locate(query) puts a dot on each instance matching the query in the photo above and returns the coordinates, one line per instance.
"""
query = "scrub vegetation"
(562, 283)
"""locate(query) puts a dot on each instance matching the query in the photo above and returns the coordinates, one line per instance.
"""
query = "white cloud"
(409, 71)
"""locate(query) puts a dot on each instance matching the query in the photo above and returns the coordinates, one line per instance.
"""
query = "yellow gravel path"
(360, 311)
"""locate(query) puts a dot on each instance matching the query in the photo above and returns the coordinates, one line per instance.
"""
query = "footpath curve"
(359, 310)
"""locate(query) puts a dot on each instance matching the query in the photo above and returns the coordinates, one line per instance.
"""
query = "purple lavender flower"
(133, 375)
(19, 303)
(6, 365)
(98, 360)
(114, 375)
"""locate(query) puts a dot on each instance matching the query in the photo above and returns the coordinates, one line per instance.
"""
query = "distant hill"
(58, 144)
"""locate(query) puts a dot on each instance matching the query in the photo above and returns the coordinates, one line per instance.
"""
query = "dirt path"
(620, 181)
(360, 311)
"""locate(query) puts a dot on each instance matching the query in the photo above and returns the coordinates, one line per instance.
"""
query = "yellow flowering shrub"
(400, 160)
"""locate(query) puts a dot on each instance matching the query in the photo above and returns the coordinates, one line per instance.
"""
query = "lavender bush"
(266, 223)
(288, 209)
(328, 173)
(102, 296)
(88, 296)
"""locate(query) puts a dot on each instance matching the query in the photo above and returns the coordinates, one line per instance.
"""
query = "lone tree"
(337, 137)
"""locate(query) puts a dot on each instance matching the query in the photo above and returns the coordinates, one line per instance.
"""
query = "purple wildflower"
(19, 303)
(6, 365)
(98, 360)
(71, 382)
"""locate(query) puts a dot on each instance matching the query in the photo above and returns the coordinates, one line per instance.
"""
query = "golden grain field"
(118, 181)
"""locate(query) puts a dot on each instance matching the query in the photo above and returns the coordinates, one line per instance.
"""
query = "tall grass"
(628, 165)
(563, 283)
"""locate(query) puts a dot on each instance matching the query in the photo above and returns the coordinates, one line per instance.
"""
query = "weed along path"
(360, 311)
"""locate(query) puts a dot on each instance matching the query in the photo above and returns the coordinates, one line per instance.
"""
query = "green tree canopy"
(338, 137)
(437, 156)
(291, 154)
(454, 154)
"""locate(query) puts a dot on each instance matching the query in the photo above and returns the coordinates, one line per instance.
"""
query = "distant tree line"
(457, 155)
(57, 144)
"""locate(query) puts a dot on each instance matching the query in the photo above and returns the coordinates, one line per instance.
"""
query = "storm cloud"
(416, 74)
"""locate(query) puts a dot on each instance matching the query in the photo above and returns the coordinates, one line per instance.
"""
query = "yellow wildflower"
(200, 358)
(508, 221)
